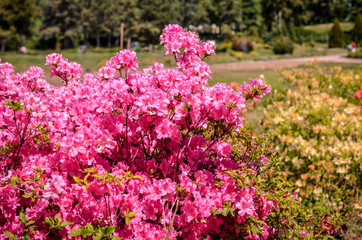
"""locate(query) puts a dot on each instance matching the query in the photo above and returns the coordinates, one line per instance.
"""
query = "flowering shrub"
(152, 154)
(319, 135)
(335, 80)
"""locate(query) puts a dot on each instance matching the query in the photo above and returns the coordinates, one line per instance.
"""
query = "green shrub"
(356, 54)
(224, 47)
(237, 54)
(283, 45)
(336, 37)
(357, 29)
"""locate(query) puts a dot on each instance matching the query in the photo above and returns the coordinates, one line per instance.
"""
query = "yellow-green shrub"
(318, 131)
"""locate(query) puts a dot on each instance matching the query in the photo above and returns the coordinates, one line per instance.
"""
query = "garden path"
(279, 63)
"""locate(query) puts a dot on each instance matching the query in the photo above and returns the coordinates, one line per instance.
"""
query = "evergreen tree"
(129, 14)
(224, 13)
(278, 12)
(324, 11)
(16, 18)
(155, 15)
(354, 8)
(357, 30)
(336, 38)
(191, 12)
(251, 13)
(60, 19)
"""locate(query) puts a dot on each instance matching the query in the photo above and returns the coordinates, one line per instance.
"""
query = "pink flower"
(125, 59)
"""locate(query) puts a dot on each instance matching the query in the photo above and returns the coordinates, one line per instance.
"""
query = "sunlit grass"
(326, 27)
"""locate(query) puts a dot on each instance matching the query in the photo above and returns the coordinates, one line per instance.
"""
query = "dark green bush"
(336, 37)
(283, 45)
(357, 30)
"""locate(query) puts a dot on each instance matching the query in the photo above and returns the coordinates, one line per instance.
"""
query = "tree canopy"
(68, 23)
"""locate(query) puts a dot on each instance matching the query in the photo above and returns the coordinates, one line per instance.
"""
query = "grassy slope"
(326, 27)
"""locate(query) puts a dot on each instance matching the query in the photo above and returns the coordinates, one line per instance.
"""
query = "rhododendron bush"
(150, 154)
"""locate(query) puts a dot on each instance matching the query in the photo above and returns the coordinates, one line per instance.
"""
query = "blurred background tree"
(59, 24)
(16, 20)
(336, 38)
(357, 30)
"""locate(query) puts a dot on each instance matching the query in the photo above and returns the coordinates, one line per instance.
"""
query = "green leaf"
(56, 217)
(88, 232)
(109, 230)
(115, 238)
(128, 221)
(98, 176)
(131, 214)
(90, 170)
(98, 237)
(26, 236)
(75, 233)
(65, 223)
(254, 229)
(14, 105)
(78, 180)
(137, 177)
(50, 222)
(119, 182)
(22, 217)
(225, 212)
(29, 223)
(9, 234)
(28, 195)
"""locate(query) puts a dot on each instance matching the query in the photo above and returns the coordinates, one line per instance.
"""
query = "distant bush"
(283, 45)
(237, 54)
(224, 47)
(336, 37)
(242, 44)
(357, 54)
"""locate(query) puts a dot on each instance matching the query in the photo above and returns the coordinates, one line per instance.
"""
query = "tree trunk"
(109, 40)
(86, 36)
(3, 46)
(98, 38)
(128, 42)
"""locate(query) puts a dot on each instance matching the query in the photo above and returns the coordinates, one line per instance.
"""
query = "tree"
(155, 15)
(225, 14)
(336, 38)
(354, 8)
(16, 18)
(191, 12)
(324, 11)
(279, 12)
(357, 30)
(251, 13)
(130, 14)
(60, 19)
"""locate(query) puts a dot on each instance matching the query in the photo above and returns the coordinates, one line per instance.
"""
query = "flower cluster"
(255, 89)
(319, 134)
(153, 154)
(67, 71)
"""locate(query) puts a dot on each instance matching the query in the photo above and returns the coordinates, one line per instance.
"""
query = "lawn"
(93, 59)
(326, 27)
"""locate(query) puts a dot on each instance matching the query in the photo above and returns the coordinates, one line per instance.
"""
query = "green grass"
(326, 27)
(271, 77)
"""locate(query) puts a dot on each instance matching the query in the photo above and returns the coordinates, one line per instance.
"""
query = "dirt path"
(279, 63)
